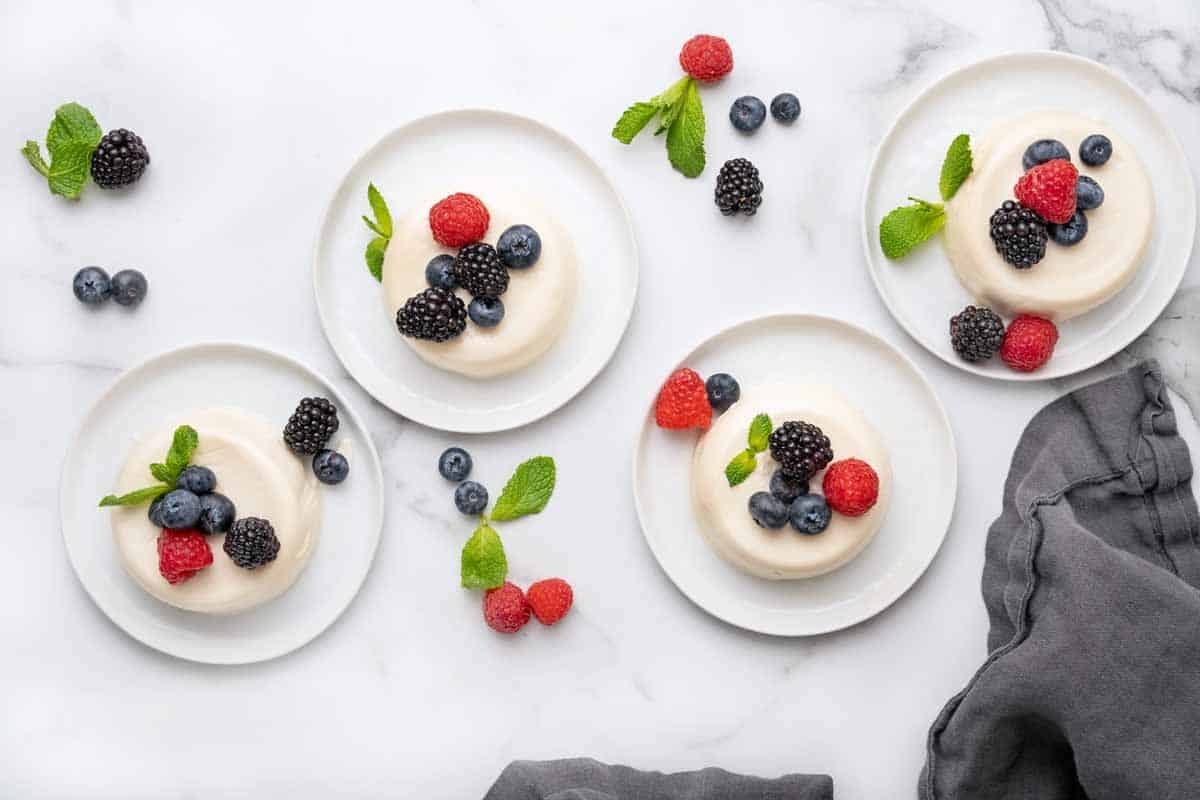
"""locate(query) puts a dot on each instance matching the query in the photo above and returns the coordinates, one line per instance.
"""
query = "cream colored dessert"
(723, 511)
(537, 305)
(1069, 281)
(261, 476)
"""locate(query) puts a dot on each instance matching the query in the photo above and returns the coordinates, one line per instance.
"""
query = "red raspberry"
(683, 402)
(851, 487)
(1028, 342)
(550, 600)
(505, 609)
(706, 58)
(1049, 189)
(459, 220)
(181, 554)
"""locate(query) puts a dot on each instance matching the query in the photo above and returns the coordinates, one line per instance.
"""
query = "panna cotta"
(537, 304)
(262, 477)
(722, 510)
(1069, 280)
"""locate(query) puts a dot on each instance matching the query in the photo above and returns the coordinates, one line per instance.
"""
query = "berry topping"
(1095, 150)
(310, 426)
(179, 509)
(330, 467)
(478, 270)
(458, 220)
(1044, 150)
(455, 464)
(154, 512)
(1088, 194)
(787, 489)
(851, 487)
(976, 333)
(439, 272)
(505, 609)
(809, 514)
(519, 247)
(738, 188)
(251, 543)
(91, 286)
(197, 480)
(1070, 232)
(471, 498)
(435, 315)
(217, 513)
(706, 58)
(1049, 189)
(786, 108)
(129, 287)
(550, 600)
(683, 402)
(181, 554)
(1028, 343)
(767, 510)
(723, 391)
(119, 159)
(801, 449)
(1019, 234)
(747, 113)
(486, 312)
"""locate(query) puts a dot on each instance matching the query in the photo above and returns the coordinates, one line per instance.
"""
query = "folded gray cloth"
(1092, 686)
(585, 779)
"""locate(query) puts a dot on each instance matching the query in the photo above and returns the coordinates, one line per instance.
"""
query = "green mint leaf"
(685, 137)
(907, 226)
(135, 498)
(71, 139)
(161, 473)
(183, 444)
(374, 255)
(636, 117)
(33, 154)
(956, 167)
(760, 433)
(528, 490)
(374, 228)
(740, 467)
(383, 217)
(484, 565)
(69, 168)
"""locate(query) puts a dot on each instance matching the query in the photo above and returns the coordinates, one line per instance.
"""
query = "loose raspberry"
(1028, 343)
(459, 220)
(706, 58)
(181, 554)
(505, 609)
(683, 402)
(550, 600)
(1049, 189)
(851, 487)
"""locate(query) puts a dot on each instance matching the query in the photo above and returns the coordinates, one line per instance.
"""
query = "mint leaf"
(72, 124)
(907, 226)
(161, 473)
(740, 467)
(636, 117)
(374, 256)
(685, 138)
(760, 433)
(375, 228)
(484, 565)
(71, 139)
(383, 217)
(956, 167)
(33, 154)
(183, 444)
(528, 490)
(135, 498)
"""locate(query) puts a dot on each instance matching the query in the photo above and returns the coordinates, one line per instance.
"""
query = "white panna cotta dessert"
(263, 478)
(537, 304)
(1069, 280)
(723, 511)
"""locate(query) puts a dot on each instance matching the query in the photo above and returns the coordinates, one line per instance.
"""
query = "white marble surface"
(252, 113)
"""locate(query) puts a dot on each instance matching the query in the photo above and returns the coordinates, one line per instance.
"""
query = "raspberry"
(550, 600)
(505, 609)
(851, 487)
(181, 554)
(706, 58)
(1028, 343)
(1049, 189)
(683, 402)
(458, 220)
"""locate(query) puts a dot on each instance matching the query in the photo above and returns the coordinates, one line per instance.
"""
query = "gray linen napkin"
(1092, 685)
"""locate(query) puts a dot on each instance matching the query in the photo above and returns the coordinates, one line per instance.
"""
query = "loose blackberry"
(801, 449)
(436, 315)
(738, 188)
(478, 270)
(119, 159)
(309, 428)
(251, 542)
(976, 333)
(1019, 234)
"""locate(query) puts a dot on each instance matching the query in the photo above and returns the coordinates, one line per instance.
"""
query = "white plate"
(898, 402)
(921, 290)
(471, 151)
(264, 383)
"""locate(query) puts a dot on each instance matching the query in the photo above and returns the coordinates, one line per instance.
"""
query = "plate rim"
(334, 337)
(876, 607)
(132, 373)
(1179, 154)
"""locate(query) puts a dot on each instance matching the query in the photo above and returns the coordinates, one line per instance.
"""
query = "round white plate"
(921, 290)
(261, 382)
(472, 151)
(898, 402)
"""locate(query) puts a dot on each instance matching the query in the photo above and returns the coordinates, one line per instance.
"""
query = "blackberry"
(119, 159)
(1019, 234)
(976, 333)
(251, 543)
(801, 449)
(436, 315)
(309, 428)
(738, 188)
(478, 270)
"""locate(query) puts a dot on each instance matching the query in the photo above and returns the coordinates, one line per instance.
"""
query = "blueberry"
(747, 113)
(519, 247)
(439, 272)
(809, 513)
(723, 390)
(1044, 150)
(785, 107)
(1095, 150)
(1070, 232)
(471, 498)
(180, 509)
(217, 513)
(1088, 194)
(197, 480)
(330, 466)
(128, 287)
(768, 510)
(455, 464)
(91, 285)
(486, 312)
(155, 512)
(786, 488)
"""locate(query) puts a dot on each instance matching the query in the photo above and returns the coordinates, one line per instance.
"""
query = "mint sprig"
(483, 564)
(681, 117)
(183, 447)
(71, 139)
(956, 167)
(905, 227)
(381, 226)
(745, 462)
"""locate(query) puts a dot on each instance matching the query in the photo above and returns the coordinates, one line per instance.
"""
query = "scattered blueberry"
(197, 480)
(439, 272)
(155, 512)
(1070, 232)
(723, 391)
(785, 107)
(768, 510)
(787, 489)
(455, 464)
(1088, 194)
(747, 113)
(180, 509)
(128, 287)
(1095, 150)
(486, 312)
(471, 498)
(519, 247)
(809, 514)
(91, 285)
(1044, 150)
(330, 466)
(217, 513)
